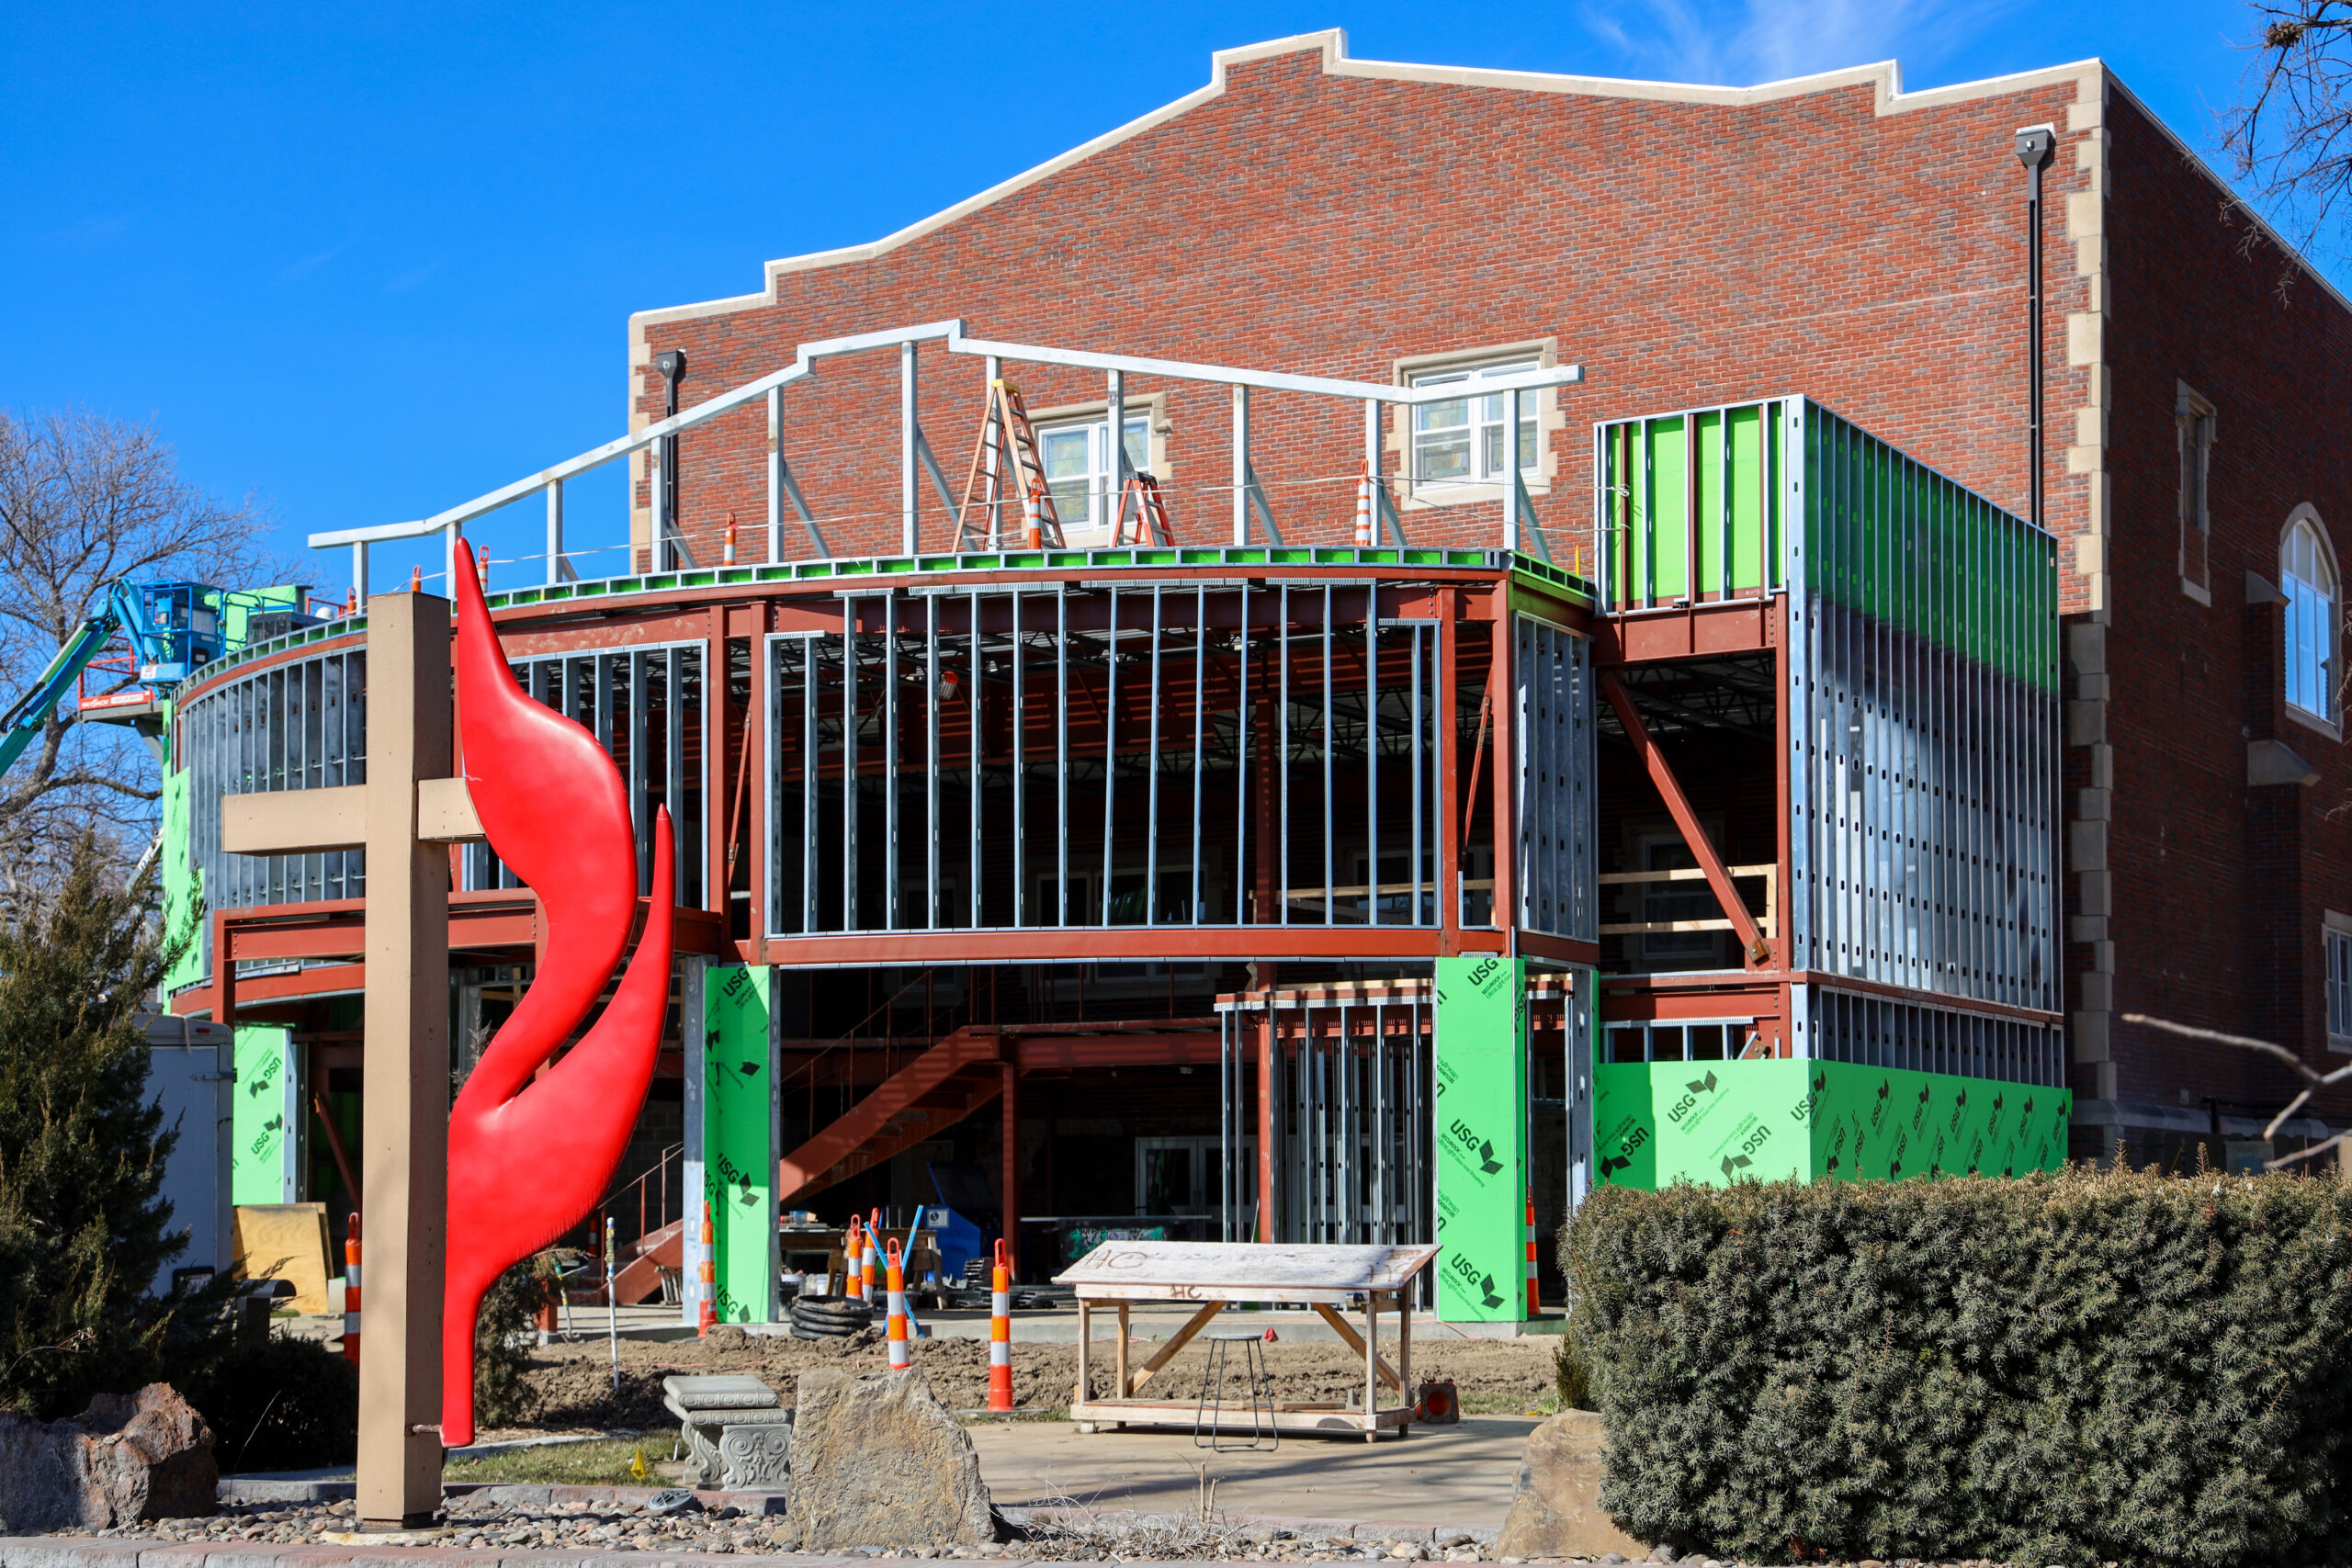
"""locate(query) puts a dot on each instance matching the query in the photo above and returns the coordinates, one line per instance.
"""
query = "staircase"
(640, 1279)
(937, 1089)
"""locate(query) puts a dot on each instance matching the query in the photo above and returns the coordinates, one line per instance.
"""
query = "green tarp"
(1715, 1123)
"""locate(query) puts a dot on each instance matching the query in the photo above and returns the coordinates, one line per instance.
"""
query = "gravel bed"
(481, 1524)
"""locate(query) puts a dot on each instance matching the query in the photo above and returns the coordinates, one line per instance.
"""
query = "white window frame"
(1099, 487)
(2335, 964)
(2312, 587)
(1410, 424)
(2194, 439)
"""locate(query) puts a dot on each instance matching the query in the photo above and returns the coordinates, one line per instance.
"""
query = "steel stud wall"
(1922, 693)
(645, 706)
(1180, 753)
(1923, 715)
(302, 725)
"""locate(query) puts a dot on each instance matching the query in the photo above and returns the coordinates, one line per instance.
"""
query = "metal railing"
(917, 461)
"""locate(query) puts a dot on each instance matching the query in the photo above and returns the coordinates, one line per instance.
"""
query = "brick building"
(1602, 600)
(1831, 236)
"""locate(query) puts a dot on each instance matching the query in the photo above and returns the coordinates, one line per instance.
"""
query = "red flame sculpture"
(528, 1157)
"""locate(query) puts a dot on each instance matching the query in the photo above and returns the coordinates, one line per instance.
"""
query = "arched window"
(2307, 577)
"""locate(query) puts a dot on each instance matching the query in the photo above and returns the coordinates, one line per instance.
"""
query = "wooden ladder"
(1006, 453)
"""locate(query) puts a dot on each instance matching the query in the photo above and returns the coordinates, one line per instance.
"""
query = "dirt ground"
(571, 1386)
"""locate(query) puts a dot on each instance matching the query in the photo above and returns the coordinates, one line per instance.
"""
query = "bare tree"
(85, 501)
(2313, 1079)
(2289, 136)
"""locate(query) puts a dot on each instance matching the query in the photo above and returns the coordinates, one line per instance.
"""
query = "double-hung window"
(2308, 583)
(1462, 441)
(2337, 944)
(1076, 455)
(2193, 436)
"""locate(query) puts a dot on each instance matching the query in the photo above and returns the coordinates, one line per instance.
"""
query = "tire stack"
(830, 1317)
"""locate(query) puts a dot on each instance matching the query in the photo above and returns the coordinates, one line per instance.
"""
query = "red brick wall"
(1685, 254)
(2219, 886)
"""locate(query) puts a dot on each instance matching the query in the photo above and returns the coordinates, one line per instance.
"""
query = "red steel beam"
(1677, 806)
(1094, 944)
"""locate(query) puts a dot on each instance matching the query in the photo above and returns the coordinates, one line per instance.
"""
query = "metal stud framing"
(645, 706)
(1139, 701)
(301, 725)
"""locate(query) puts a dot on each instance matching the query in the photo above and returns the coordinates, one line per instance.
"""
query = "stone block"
(127, 1458)
(1557, 1509)
(878, 1460)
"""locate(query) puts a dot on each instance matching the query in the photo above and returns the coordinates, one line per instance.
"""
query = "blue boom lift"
(172, 628)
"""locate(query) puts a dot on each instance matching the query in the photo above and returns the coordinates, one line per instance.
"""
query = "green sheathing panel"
(266, 1122)
(183, 884)
(1482, 1138)
(1713, 476)
(1659, 1122)
(1872, 1123)
(1715, 1123)
(739, 1112)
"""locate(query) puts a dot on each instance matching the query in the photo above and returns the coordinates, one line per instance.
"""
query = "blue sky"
(365, 262)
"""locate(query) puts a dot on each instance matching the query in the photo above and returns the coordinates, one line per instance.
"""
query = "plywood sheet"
(1213, 1270)
(287, 1241)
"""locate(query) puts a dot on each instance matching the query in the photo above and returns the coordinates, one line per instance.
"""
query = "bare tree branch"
(2288, 139)
(86, 500)
(2313, 1080)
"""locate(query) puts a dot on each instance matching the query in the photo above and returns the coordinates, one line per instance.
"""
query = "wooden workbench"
(1218, 1274)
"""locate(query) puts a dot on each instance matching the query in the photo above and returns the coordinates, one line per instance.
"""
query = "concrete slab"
(1460, 1475)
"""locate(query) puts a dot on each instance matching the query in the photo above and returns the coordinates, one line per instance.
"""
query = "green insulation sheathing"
(1481, 1133)
(1715, 1123)
(266, 1122)
(738, 1127)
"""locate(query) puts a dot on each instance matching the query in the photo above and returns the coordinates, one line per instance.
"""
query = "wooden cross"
(405, 816)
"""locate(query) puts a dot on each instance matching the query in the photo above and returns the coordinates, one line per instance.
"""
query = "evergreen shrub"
(2077, 1368)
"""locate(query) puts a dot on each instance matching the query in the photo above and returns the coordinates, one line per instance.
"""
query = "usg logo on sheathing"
(1469, 1147)
(1468, 1274)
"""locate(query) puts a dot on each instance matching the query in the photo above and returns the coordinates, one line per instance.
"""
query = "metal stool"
(1211, 1408)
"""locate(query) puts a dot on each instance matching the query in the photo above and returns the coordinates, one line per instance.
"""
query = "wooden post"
(405, 1094)
(1371, 1366)
(1121, 1379)
(406, 816)
(1404, 1355)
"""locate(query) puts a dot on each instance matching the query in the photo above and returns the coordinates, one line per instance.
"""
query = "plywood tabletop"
(1212, 1270)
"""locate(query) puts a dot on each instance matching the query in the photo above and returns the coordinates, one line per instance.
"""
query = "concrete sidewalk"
(1440, 1478)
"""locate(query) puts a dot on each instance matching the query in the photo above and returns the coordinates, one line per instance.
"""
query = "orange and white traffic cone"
(1534, 1288)
(1364, 511)
(853, 1256)
(706, 1310)
(872, 1269)
(727, 556)
(1000, 1331)
(481, 566)
(901, 1356)
(351, 1292)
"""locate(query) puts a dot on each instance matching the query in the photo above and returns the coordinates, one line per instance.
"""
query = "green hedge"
(2078, 1367)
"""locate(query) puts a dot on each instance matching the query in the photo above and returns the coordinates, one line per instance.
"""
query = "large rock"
(128, 1458)
(878, 1460)
(1557, 1511)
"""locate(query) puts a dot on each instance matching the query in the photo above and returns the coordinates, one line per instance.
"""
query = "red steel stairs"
(937, 1089)
(640, 1279)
